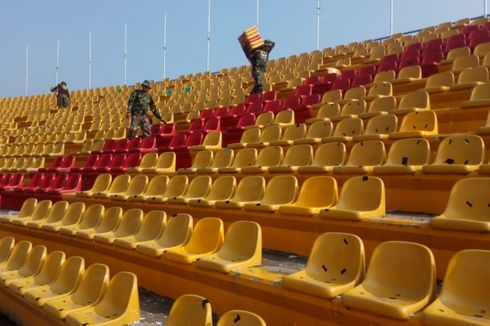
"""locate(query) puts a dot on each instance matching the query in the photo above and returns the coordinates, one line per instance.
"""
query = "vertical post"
(485, 8)
(89, 60)
(165, 46)
(318, 25)
(27, 67)
(258, 8)
(57, 61)
(125, 53)
(391, 17)
(209, 34)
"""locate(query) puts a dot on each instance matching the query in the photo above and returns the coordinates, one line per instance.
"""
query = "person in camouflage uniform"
(62, 95)
(139, 105)
(258, 58)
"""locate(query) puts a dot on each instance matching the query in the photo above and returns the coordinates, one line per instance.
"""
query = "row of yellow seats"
(49, 149)
(111, 133)
(151, 234)
(64, 137)
(29, 164)
(64, 288)
(458, 154)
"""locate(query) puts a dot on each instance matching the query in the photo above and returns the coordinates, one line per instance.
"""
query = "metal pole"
(165, 47)
(258, 7)
(318, 25)
(125, 53)
(27, 67)
(485, 8)
(391, 17)
(209, 34)
(89, 60)
(57, 61)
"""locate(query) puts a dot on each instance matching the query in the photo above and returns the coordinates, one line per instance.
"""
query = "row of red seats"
(49, 183)
(109, 163)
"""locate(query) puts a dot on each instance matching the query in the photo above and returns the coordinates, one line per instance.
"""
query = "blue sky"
(290, 23)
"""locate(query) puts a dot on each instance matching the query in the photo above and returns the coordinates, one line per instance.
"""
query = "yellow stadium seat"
(458, 154)
(240, 318)
(471, 77)
(223, 188)
(244, 157)
(380, 106)
(148, 161)
(151, 228)
(290, 134)
(120, 302)
(346, 129)
(479, 97)
(190, 309)
(110, 221)
(31, 266)
(414, 102)
(17, 257)
(335, 265)
(263, 120)
(27, 209)
(316, 193)
(327, 156)
(326, 112)
(417, 124)
(316, 132)
(268, 135)
(486, 128)
(250, 189)
(351, 109)
(55, 214)
(400, 281)
(361, 197)
(65, 283)
(90, 219)
(136, 187)
(213, 141)
(6, 245)
(175, 234)
(222, 159)
(242, 247)
(72, 216)
(456, 53)
(439, 82)
(48, 273)
(155, 188)
(203, 159)
(268, 156)
(408, 74)
(463, 62)
(296, 157)
(89, 292)
(207, 238)
(198, 189)
(482, 49)
(383, 77)
(405, 156)
(363, 157)
(166, 163)
(118, 186)
(280, 190)
(379, 127)
(284, 118)
(251, 135)
(101, 185)
(130, 224)
(354, 94)
(467, 208)
(464, 295)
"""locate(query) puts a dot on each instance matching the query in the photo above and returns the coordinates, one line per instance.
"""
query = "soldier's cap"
(63, 83)
(268, 43)
(146, 84)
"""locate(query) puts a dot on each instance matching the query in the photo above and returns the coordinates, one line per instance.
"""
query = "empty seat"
(414, 102)
(207, 238)
(212, 141)
(251, 135)
(264, 119)
(479, 97)
(240, 317)
(110, 220)
(400, 281)
(129, 225)
(90, 290)
(30, 267)
(155, 189)
(417, 124)
(363, 157)
(198, 189)
(326, 112)
(346, 129)
(268, 135)
(90, 219)
(55, 214)
(296, 157)
(351, 109)
(317, 131)
(458, 154)
(40, 212)
(280, 190)
(149, 160)
(250, 189)
(439, 82)
(405, 156)
(151, 228)
(136, 186)
(242, 247)
(463, 62)
(166, 163)
(284, 118)
(316, 193)
(467, 208)
(6, 245)
(382, 88)
(28, 207)
(327, 156)
(379, 127)
(72, 216)
(244, 157)
(17, 257)
(101, 185)
(119, 305)
(471, 77)
(408, 74)
(175, 234)
(201, 160)
(190, 309)
(335, 265)
(268, 156)
(360, 198)
(223, 158)
(380, 106)
(223, 188)
(486, 128)
(66, 281)
(118, 186)
(464, 295)
(290, 134)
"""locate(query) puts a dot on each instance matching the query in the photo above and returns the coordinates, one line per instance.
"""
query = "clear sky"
(290, 23)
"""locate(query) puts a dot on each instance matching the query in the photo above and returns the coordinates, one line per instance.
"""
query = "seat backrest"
(176, 186)
(330, 154)
(445, 78)
(285, 117)
(33, 261)
(355, 93)
(18, 255)
(264, 119)
(461, 149)
(243, 241)
(149, 160)
(349, 127)
(102, 183)
(250, 135)
(240, 317)
(250, 188)
(92, 284)
(120, 184)
(213, 139)
(199, 187)
(27, 208)
(152, 225)
(177, 231)
(294, 132)
(190, 309)
(458, 52)
(69, 276)
(469, 199)
(223, 188)
(6, 245)
(362, 193)
(110, 220)
(381, 124)
(156, 186)
(166, 160)
(270, 156)
(410, 72)
(92, 216)
(41, 210)
(409, 151)
(417, 99)
(137, 185)
(329, 110)
(319, 191)
(207, 237)
(481, 92)
(384, 76)
(245, 157)
(51, 268)
(466, 61)
(353, 107)
(476, 74)
(367, 153)
(422, 121)
(178, 140)
(223, 158)
(332, 96)
(130, 222)
(57, 211)
(320, 129)
(280, 190)
(121, 297)
(202, 159)
(298, 155)
(74, 213)
(104, 160)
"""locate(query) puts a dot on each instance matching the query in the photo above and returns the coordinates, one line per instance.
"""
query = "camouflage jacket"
(60, 91)
(259, 58)
(140, 103)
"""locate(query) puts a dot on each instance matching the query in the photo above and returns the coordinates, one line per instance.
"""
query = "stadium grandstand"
(354, 190)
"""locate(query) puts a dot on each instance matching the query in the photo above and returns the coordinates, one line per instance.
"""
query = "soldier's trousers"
(139, 121)
(258, 75)
(62, 101)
